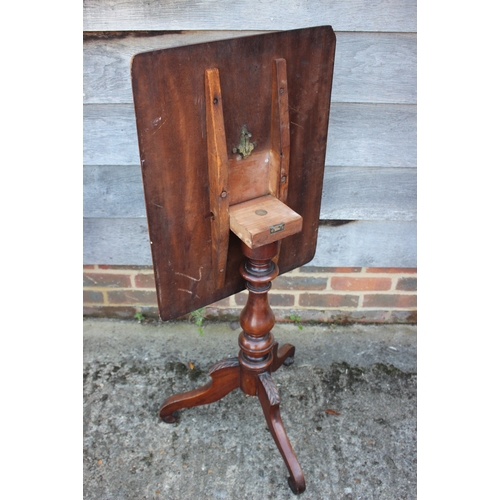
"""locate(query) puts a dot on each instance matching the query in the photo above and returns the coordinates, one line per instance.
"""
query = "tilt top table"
(232, 138)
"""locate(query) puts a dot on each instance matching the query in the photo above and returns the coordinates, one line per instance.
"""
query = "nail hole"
(216, 101)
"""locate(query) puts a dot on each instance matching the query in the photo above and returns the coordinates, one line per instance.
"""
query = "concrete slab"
(366, 374)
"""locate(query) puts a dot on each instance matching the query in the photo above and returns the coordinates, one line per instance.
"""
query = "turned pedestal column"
(223, 151)
(259, 356)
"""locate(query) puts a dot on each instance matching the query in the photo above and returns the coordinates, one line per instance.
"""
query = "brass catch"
(245, 147)
(277, 228)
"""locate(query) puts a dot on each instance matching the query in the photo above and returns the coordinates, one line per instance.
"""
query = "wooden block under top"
(263, 220)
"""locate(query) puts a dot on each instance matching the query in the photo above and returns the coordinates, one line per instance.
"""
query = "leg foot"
(295, 487)
(170, 418)
(225, 377)
(282, 356)
(269, 400)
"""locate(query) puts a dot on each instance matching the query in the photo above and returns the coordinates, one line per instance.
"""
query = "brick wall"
(337, 295)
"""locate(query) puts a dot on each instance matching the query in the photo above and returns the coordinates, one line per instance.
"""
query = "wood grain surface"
(263, 220)
(343, 15)
(371, 135)
(363, 243)
(172, 135)
(349, 193)
(369, 67)
(370, 173)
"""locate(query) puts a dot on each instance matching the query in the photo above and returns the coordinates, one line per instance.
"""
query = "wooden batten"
(280, 137)
(193, 126)
(257, 183)
(218, 174)
(280, 133)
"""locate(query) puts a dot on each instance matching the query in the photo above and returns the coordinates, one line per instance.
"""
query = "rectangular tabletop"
(169, 99)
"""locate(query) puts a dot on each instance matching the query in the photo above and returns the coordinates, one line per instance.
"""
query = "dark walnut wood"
(259, 356)
(225, 378)
(232, 139)
(269, 400)
(277, 86)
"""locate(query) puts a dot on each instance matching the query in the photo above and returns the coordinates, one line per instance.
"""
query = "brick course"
(328, 301)
(360, 284)
(312, 269)
(399, 270)
(399, 301)
(106, 280)
(144, 281)
(281, 300)
(407, 284)
(299, 283)
(316, 294)
(92, 297)
(139, 297)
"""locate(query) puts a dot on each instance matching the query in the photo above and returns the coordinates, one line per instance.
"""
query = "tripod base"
(259, 356)
(225, 377)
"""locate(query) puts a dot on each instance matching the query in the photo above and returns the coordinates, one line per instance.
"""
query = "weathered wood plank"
(349, 193)
(368, 243)
(369, 67)
(360, 135)
(110, 135)
(106, 60)
(116, 241)
(375, 68)
(372, 135)
(361, 243)
(113, 192)
(342, 15)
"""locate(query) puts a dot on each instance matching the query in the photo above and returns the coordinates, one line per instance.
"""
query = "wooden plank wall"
(369, 198)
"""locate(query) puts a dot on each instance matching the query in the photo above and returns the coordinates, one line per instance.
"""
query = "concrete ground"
(364, 449)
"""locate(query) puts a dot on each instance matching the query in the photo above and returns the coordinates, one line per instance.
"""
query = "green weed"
(198, 317)
(296, 319)
(139, 317)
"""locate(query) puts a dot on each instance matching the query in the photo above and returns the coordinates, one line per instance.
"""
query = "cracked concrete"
(348, 404)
